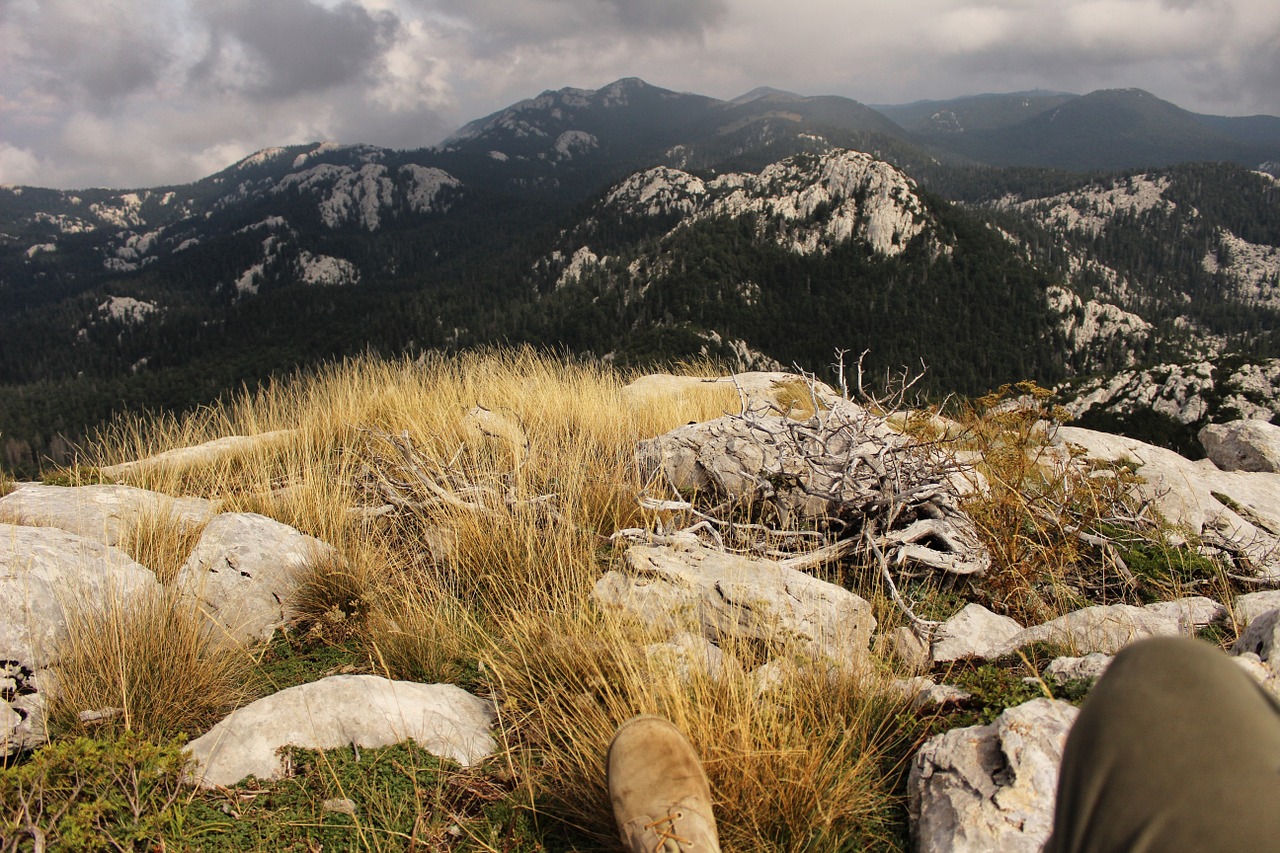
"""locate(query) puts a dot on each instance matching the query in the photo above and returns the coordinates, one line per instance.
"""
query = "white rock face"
(244, 570)
(974, 632)
(364, 196)
(721, 596)
(858, 195)
(326, 270)
(102, 512)
(1252, 269)
(1192, 612)
(1092, 326)
(1262, 638)
(1247, 445)
(364, 710)
(989, 788)
(1090, 210)
(689, 656)
(923, 692)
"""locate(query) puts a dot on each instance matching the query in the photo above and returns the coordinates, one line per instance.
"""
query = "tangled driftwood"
(841, 481)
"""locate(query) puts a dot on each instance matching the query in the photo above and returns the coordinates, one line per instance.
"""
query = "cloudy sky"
(145, 92)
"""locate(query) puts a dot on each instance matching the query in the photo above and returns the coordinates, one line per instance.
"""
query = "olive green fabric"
(1176, 749)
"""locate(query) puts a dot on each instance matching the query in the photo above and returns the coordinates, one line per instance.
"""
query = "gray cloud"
(139, 92)
(282, 48)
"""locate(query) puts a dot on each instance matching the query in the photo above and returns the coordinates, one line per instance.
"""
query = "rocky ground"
(824, 479)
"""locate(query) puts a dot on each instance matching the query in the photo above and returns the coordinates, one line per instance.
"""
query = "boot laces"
(667, 832)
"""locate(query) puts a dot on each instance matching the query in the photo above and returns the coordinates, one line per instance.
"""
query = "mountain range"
(998, 237)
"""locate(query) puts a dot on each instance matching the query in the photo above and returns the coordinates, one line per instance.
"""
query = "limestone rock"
(244, 569)
(726, 596)
(923, 692)
(341, 710)
(991, 787)
(1193, 612)
(1240, 509)
(43, 571)
(1087, 668)
(1250, 445)
(907, 647)
(1251, 605)
(102, 512)
(688, 655)
(1102, 628)
(202, 454)
(974, 632)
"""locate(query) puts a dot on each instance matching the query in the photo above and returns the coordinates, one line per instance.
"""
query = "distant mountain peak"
(761, 92)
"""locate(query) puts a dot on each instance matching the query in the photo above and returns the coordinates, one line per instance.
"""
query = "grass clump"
(148, 665)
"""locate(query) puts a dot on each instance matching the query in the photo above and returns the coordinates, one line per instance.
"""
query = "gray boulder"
(343, 710)
(923, 692)
(102, 512)
(974, 632)
(688, 656)
(989, 788)
(724, 596)
(1251, 445)
(1235, 510)
(44, 571)
(244, 570)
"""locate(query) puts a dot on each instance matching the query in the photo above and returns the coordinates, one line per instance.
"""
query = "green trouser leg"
(1176, 749)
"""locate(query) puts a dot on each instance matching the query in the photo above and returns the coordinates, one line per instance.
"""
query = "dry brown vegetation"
(480, 573)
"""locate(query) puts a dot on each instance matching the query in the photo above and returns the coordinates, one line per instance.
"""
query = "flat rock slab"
(102, 512)
(244, 570)
(1103, 628)
(726, 596)
(988, 788)
(342, 710)
(202, 454)
(759, 389)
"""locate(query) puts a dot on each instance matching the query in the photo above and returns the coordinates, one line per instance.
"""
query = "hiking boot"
(661, 799)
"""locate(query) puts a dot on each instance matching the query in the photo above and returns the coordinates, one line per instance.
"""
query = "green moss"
(292, 659)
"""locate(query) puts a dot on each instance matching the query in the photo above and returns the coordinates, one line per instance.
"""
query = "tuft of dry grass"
(161, 542)
(147, 665)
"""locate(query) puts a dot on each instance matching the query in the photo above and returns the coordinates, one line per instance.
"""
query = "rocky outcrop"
(343, 711)
(106, 513)
(1235, 511)
(1243, 445)
(992, 787)
(723, 596)
(245, 568)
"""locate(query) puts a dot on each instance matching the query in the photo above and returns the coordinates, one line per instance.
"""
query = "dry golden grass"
(153, 659)
(499, 598)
